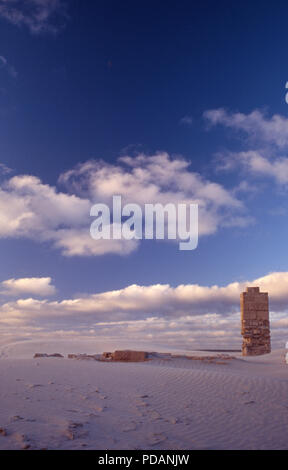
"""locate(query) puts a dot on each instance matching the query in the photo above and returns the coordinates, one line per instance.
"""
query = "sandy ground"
(161, 404)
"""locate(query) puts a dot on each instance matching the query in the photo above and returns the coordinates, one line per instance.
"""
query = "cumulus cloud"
(78, 242)
(31, 209)
(155, 179)
(39, 16)
(146, 179)
(184, 315)
(39, 286)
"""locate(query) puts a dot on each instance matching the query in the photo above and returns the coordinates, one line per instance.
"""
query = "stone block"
(130, 356)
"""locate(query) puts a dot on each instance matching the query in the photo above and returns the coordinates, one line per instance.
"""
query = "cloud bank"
(186, 314)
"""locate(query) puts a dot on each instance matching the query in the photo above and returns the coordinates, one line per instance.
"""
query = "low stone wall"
(117, 356)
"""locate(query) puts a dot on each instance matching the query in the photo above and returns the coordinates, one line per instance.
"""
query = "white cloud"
(4, 169)
(39, 16)
(154, 179)
(78, 242)
(39, 286)
(146, 179)
(269, 130)
(187, 120)
(31, 209)
(160, 299)
(269, 136)
(9, 68)
(257, 162)
(184, 315)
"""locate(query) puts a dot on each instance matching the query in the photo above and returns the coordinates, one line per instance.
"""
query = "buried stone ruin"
(255, 322)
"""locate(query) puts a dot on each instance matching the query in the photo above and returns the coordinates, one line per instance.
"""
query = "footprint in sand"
(75, 425)
(100, 409)
(72, 431)
(172, 420)
(3, 432)
(129, 427)
(16, 418)
(156, 438)
(26, 447)
(154, 415)
(84, 397)
(22, 440)
(186, 421)
(91, 415)
(69, 435)
(32, 386)
(141, 403)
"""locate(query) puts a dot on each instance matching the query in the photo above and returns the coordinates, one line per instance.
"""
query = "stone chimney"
(255, 322)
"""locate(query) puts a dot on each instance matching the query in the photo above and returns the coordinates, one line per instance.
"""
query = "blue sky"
(84, 81)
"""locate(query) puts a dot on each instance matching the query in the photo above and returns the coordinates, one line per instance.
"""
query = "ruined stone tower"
(255, 322)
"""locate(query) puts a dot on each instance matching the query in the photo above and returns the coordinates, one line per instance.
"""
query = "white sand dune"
(175, 404)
